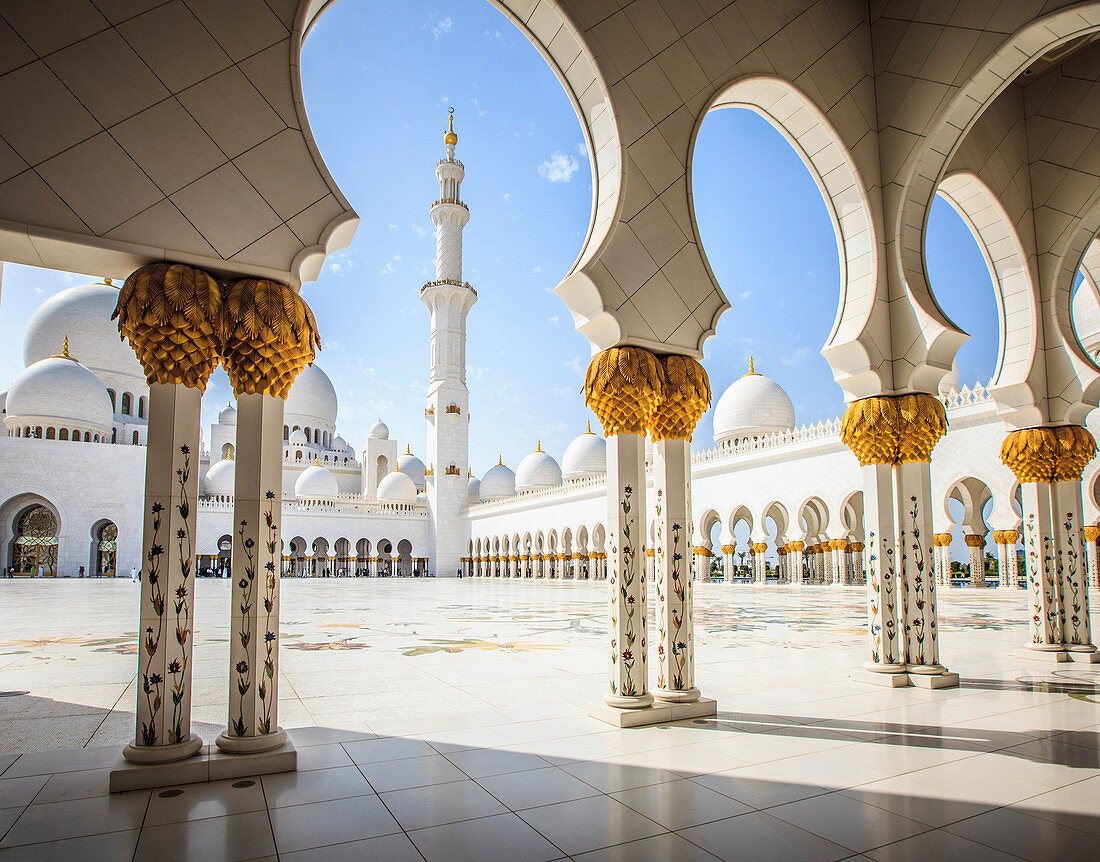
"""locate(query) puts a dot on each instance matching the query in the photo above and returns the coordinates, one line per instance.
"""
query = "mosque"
(385, 511)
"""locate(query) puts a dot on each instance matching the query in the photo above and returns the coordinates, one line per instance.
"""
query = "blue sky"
(377, 88)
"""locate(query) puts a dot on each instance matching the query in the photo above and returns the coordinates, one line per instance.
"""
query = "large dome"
(315, 483)
(227, 415)
(585, 456)
(59, 390)
(498, 482)
(537, 470)
(752, 406)
(312, 398)
(84, 315)
(396, 487)
(412, 467)
(219, 478)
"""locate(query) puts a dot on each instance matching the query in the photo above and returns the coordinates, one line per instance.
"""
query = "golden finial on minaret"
(64, 354)
(450, 139)
(752, 367)
(538, 446)
(500, 460)
(408, 448)
(107, 281)
(589, 429)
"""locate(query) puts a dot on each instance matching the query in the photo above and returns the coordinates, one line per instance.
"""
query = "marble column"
(1091, 534)
(171, 316)
(702, 563)
(941, 553)
(795, 563)
(976, 546)
(1012, 578)
(859, 576)
(1043, 585)
(727, 562)
(759, 571)
(840, 566)
(883, 607)
(784, 576)
(827, 560)
(650, 564)
(270, 336)
(1072, 568)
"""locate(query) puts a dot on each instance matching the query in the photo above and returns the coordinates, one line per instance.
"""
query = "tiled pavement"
(800, 764)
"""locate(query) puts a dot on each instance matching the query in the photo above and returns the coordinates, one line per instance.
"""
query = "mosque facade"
(795, 491)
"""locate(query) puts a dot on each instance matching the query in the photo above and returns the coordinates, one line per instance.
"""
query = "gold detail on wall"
(623, 386)
(685, 397)
(270, 335)
(171, 315)
(893, 429)
(1048, 454)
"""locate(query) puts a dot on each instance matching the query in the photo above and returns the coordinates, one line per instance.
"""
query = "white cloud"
(393, 227)
(582, 150)
(561, 391)
(559, 168)
(796, 358)
(507, 196)
(536, 269)
(442, 27)
(744, 294)
(390, 266)
(481, 112)
(418, 229)
(553, 320)
(493, 35)
(577, 364)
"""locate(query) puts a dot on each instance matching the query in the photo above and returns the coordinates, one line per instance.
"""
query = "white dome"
(537, 470)
(753, 405)
(227, 415)
(350, 452)
(396, 487)
(219, 478)
(59, 391)
(473, 493)
(298, 437)
(412, 467)
(1086, 317)
(312, 398)
(585, 456)
(380, 431)
(315, 483)
(84, 315)
(338, 444)
(498, 482)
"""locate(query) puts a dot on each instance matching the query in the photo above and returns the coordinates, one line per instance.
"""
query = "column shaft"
(914, 492)
(883, 613)
(1044, 589)
(1071, 565)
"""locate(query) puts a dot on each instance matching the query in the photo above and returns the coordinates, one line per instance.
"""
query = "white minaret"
(449, 299)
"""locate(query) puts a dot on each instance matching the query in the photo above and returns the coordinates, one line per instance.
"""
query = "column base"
(146, 754)
(208, 764)
(1046, 653)
(1086, 653)
(940, 679)
(667, 695)
(251, 744)
(886, 679)
(658, 713)
(616, 701)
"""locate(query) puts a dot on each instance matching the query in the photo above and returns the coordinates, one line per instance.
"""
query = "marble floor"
(444, 720)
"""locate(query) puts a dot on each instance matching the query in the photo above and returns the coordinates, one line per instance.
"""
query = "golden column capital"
(781, 551)
(941, 540)
(856, 547)
(729, 549)
(840, 544)
(1092, 533)
(759, 547)
(998, 537)
(797, 546)
(623, 386)
(700, 551)
(685, 397)
(974, 541)
(1048, 454)
(1011, 537)
(893, 429)
(269, 336)
(171, 314)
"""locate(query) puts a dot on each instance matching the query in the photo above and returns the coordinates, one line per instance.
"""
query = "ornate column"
(1048, 463)
(685, 397)
(784, 576)
(795, 563)
(840, 551)
(759, 572)
(976, 545)
(650, 564)
(1013, 576)
(623, 386)
(170, 314)
(858, 575)
(893, 437)
(941, 558)
(269, 336)
(998, 537)
(702, 562)
(1092, 533)
(727, 562)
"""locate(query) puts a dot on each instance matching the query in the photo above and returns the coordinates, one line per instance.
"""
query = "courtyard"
(446, 720)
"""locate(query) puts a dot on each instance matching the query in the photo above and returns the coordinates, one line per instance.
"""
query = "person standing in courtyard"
(133, 574)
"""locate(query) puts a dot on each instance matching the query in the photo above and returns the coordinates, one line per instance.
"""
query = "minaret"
(449, 299)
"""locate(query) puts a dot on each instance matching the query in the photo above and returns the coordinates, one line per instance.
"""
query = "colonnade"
(181, 323)
(578, 566)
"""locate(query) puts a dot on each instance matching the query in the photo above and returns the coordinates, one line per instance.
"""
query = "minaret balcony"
(449, 282)
(454, 201)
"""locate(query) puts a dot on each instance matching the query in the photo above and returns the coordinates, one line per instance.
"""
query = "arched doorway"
(106, 549)
(34, 548)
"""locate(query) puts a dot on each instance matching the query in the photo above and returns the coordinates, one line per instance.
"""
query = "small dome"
(83, 314)
(585, 456)
(338, 444)
(298, 437)
(498, 482)
(59, 390)
(396, 487)
(537, 470)
(412, 467)
(315, 483)
(227, 415)
(380, 431)
(473, 493)
(312, 398)
(752, 406)
(219, 478)
(350, 452)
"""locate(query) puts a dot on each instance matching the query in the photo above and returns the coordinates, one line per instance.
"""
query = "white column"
(1043, 586)
(1072, 567)
(1091, 534)
(626, 508)
(676, 641)
(883, 611)
(254, 617)
(167, 578)
(795, 563)
(727, 563)
(975, 545)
